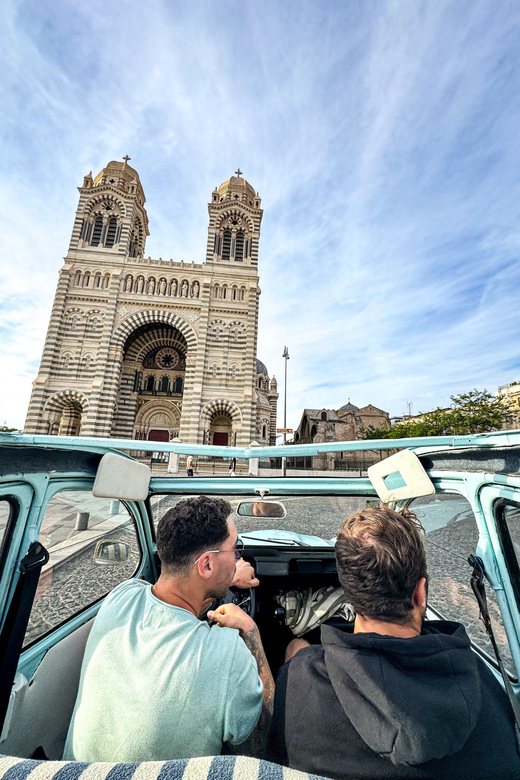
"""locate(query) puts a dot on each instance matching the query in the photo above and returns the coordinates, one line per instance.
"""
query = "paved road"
(451, 537)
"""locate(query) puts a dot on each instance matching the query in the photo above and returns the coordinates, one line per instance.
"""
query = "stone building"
(150, 348)
(511, 394)
(345, 424)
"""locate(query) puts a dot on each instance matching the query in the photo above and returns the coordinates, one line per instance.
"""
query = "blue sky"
(383, 139)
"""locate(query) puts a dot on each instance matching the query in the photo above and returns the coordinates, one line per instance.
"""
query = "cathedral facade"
(156, 349)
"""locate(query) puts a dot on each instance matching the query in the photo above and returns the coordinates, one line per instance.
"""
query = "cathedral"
(154, 349)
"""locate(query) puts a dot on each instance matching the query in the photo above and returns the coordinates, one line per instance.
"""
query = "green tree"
(5, 428)
(474, 412)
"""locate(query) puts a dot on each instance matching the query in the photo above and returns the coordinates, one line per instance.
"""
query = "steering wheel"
(243, 597)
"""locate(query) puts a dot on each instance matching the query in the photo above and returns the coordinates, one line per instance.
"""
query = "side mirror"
(122, 478)
(107, 553)
(400, 476)
(261, 509)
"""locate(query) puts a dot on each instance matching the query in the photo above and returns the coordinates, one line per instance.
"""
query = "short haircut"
(381, 557)
(188, 529)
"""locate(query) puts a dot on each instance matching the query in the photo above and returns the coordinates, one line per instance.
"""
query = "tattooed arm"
(254, 643)
(231, 616)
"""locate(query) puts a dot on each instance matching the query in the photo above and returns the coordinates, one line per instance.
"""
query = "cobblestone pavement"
(451, 537)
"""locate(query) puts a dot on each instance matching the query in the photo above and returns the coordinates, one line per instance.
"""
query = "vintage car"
(78, 516)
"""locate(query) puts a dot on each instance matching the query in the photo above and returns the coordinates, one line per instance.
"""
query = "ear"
(205, 566)
(420, 594)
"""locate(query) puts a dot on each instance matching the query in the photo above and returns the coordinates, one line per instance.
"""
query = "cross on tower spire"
(238, 172)
(126, 158)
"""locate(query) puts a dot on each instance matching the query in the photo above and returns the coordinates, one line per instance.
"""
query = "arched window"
(165, 385)
(264, 431)
(97, 280)
(242, 293)
(226, 245)
(77, 280)
(239, 247)
(86, 279)
(235, 293)
(178, 385)
(106, 281)
(216, 290)
(259, 384)
(224, 291)
(313, 432)
(150, 383)
(324, 416)
(111, 232)
(98, 229)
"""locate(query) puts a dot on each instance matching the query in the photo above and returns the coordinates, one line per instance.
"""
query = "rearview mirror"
(107, 553)
(261, 509)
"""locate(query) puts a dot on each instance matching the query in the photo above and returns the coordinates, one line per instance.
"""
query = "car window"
(452, 535)
(5, 514)
(74, 524)
(7, 509)
(313, 515)
(508, 526)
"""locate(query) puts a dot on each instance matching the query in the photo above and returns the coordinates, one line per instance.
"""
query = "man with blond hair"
(392, 696)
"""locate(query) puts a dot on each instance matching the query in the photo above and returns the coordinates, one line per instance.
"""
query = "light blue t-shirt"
(157, 683)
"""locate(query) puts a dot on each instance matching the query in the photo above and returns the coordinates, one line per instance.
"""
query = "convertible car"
(78, 516)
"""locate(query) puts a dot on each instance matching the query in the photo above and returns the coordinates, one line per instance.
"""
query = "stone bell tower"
(111, 213)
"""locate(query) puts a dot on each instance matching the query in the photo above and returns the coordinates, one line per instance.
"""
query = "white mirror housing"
(121, 478)
(400, 476)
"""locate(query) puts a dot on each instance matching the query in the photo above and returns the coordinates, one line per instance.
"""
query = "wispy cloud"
(382, 137)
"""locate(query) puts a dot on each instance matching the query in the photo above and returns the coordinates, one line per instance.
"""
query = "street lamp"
(284, 460)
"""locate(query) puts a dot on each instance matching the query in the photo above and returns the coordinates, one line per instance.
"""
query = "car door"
(61, 513)
(501, 511)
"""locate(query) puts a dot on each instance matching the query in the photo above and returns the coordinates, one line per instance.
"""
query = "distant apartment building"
(511, 392)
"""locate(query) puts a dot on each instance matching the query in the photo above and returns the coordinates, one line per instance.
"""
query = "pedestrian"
(189, 465)
(232, 467)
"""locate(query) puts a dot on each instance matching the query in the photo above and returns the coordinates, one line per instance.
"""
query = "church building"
(149, 348)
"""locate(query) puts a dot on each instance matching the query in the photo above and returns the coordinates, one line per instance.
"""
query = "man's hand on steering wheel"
(245, 576)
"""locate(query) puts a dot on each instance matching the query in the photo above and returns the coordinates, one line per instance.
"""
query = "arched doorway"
(158, 420)
(152, 383)
(220, 420)
(70, 420)
(220, 430)
(64, 413)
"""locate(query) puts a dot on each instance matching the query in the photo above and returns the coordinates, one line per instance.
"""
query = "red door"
(220, 439)
(158, 436)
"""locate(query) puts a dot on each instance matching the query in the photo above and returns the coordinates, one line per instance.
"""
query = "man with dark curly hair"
(158, 683)
(391, 696)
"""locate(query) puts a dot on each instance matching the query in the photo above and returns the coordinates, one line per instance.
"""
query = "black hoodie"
(372, 706)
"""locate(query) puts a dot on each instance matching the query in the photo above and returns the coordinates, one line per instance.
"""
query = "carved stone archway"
(220, 416)
(157, 415)
(64, 411)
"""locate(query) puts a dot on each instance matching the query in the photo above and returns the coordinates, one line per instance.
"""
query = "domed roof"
(238, 185)
(261, 368)
(349, 408)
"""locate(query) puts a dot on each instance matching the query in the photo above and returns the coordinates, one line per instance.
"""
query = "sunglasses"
(238, 549)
